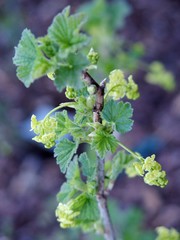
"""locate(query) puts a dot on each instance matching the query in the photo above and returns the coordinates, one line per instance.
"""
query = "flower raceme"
(152, 171)
(45, 130)
(118, 86)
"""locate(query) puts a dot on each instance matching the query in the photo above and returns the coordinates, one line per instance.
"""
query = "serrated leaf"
(66, 193)
(118, 113)
(89, 210)
(62, 120)
(70, 73)
(65, 31)
(73, 171)
(89, 167)
(74, 177)
(30, 61)
(103, 142)
(64, 152)
(67, 126)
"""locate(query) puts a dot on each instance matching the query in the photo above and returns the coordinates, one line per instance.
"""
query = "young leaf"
(118, 114)
(66, 193)
(88, 166)
(104, 142)
(67, 126)
(73, 171)
(62, 121)
(70, 73)
(30, 61)
(65, 31)
(64, 152)
(89, 211)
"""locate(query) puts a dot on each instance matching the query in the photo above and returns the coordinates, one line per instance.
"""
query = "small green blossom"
(70, 93)
(150, 170)
(65, 215)
(116, 87)
(132, 89)
(139, 168)
(157, 178)
(51, 75)
(167, 234)
(150, 164)
(45, 130)
(93, 56)
(154, 175)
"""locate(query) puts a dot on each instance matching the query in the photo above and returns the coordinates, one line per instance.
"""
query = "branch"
(101, 197)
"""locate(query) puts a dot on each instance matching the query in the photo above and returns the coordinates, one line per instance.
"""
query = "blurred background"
(140, 37)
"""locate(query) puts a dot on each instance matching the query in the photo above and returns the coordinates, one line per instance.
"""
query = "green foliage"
(30, 61)
(104, 19)
(80, 211)
(64, 31)
(103, 141)
(64, 151)
(89, 166)
(167, 234)
(121, 161)
(119, 114)
(35, 58)
(70, 71)
(158, 75)
(60, 55)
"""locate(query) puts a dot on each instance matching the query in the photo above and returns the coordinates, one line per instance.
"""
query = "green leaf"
(74, 177)
(89, 210)
(66, 126)
(65, 31)
(103, 142)
(62, 122)
(73, 171)
(66, 193)
(69, 74)
(30, 61)
(118, 113)
(64, 152)
(89, 167)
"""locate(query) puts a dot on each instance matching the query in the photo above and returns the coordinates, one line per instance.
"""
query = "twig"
(101, 197)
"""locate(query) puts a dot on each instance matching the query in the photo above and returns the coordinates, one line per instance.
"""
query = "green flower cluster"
(118, 87)
(93, 56)
(65, 215)
(152, 171)
(167, 234)
(45, 130)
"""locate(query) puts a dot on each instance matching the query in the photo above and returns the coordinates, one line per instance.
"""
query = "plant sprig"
(98, 115)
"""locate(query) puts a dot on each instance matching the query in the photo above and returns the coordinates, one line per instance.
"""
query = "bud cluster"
(93, 56)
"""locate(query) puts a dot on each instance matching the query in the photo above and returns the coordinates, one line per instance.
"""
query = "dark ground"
(29, 176)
